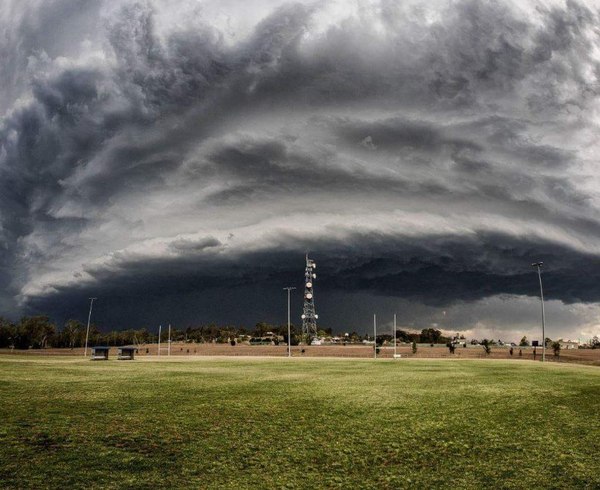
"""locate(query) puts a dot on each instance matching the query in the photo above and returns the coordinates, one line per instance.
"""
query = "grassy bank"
(299, 423)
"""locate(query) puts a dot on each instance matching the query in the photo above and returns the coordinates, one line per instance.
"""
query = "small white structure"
(568, 344)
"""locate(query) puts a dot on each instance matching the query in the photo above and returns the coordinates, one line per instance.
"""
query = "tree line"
(39, 332)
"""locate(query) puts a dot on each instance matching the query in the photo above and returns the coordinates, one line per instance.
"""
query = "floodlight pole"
(375, 336)
(87, 331)
(159, 331)
(538, 265)
(289, 289)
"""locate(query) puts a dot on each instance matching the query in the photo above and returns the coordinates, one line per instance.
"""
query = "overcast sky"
(177, 159)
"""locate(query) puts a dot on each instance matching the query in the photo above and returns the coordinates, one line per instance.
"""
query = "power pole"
(539, 265)
(289, 288)
(87, 332)
(375, 335)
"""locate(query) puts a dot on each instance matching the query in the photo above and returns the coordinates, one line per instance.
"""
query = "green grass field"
(300, 423)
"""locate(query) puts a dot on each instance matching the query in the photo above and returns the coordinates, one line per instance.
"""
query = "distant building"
(568, 344)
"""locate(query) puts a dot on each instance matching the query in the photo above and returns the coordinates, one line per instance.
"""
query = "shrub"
(485, 343)
(556, 348)
(414, 347)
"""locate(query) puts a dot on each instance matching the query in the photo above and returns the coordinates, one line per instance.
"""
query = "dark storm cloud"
(265, 166)
(421, 151)
(433, 270)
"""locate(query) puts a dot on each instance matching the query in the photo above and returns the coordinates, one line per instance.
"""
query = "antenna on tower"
(309, 316)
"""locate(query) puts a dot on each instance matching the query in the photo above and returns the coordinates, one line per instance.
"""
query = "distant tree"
(426, 335)
(381, 339)
(403, 336)
(71, 331)
(431, 336)
(556, 349)
(595, 342)
(95, 336)
(414, 347)
(485, 343)
(8, 331)
(261, 328)
(34, 332)
(524, 342)
(548, 341)
(142, 336)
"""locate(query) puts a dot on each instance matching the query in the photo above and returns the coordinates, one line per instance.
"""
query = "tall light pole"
(87, 332)
(289, 289)
(375, 335)
(539, 265)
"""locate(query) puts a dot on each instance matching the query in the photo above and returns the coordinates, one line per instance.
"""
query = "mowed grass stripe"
(260, 423)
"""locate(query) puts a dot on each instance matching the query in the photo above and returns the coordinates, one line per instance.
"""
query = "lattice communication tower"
(309, 315)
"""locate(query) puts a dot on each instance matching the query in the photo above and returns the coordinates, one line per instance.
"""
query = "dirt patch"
(180, 349)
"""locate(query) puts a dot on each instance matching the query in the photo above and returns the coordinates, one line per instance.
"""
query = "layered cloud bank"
(178, 160)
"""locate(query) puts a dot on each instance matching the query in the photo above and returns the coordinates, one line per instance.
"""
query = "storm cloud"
(178, 161)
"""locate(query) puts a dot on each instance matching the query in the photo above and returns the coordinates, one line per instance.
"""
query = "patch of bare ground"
(180, 349)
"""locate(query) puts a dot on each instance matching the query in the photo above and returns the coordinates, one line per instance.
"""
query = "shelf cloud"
(177, 161)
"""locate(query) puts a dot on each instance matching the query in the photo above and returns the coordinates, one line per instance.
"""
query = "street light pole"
(87, 332)
(289, 289)
(375, 335)
(539, 265)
